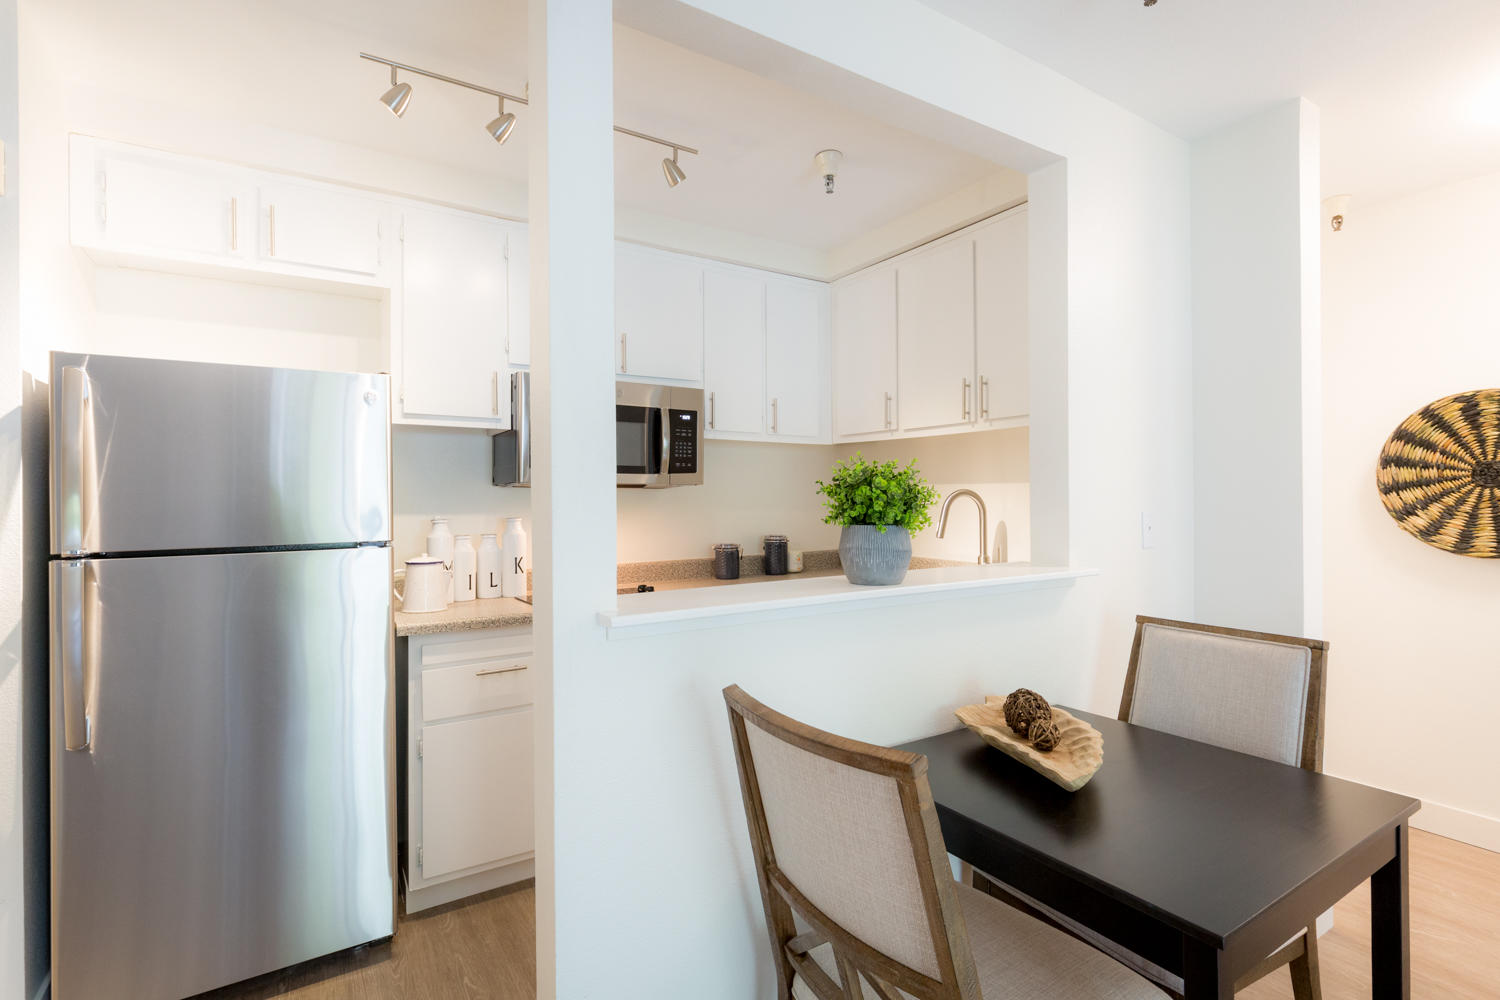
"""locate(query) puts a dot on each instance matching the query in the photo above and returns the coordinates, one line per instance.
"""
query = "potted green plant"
(879, 505)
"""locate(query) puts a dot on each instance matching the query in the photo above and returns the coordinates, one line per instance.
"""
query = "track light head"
(500, 128)
(672, 171)
(397, 97)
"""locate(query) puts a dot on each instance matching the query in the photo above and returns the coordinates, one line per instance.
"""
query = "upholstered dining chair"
(1254, 692)
(858, 896)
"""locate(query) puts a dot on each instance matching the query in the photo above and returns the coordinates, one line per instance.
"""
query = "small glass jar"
(776, 555)
(726, 561)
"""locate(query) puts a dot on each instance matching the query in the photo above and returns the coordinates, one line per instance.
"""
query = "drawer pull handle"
(500, 670)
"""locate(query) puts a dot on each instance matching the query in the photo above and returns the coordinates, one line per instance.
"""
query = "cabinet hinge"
(419, 857)
(401, 231)
(419, 748)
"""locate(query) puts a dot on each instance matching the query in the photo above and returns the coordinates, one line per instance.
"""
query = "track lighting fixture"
(674, 173)
(500, 128)
(397, 97)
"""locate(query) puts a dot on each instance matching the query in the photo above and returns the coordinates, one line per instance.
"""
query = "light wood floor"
(1455, 930)
(484, 948)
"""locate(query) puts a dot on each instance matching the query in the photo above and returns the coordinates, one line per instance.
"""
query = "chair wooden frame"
(1302, 953)
(958, 978)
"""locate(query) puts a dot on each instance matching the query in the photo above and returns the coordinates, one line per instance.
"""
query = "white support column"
(571, 194)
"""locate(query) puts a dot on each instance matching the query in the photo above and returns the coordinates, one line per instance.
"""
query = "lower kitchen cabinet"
(470, 794)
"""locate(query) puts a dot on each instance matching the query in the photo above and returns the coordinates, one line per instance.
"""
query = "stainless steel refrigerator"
(221, 676)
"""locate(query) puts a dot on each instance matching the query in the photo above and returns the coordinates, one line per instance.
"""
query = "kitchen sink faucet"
(984, 521)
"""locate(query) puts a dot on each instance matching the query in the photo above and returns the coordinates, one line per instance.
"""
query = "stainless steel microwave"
(658, 436)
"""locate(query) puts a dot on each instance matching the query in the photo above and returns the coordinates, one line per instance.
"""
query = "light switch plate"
(1148, 532)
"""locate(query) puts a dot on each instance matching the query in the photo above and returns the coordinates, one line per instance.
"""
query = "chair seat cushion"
(1020, 958)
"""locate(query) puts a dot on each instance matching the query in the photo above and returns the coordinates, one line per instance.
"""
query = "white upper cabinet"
(734, 350)
(658, 315)
(1002, 320)
(453, 312)
(518, 257)
(796, 358)
(321, 226)
(131, 201)
(864, 352)
(935, 320)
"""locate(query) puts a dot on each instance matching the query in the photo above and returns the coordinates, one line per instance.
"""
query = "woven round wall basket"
(1439, 474)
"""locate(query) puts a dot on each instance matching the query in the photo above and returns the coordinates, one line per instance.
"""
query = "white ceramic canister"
(465, 566)
(425, 588)
(513, 558)
(440, 546)
(489, 565)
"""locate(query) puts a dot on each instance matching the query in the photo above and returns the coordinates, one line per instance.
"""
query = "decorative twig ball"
(1044, 734)
(1021, 706)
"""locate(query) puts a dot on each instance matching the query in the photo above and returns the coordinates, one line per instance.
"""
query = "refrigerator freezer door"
(230, 811)
(155, 456)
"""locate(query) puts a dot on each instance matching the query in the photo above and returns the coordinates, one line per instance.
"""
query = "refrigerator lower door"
(227, 809)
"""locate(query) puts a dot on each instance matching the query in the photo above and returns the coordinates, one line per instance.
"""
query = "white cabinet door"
(796, 382)
(734, 351)
(658, 315)
(453, 317)
(864, 352)
(319, 226)
(935, 320)
(518, 259)
(476, 792)
(130, 200)
(1004, 327)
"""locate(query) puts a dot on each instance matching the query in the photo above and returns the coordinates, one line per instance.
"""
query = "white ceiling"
(1402, 84)
(293, 65)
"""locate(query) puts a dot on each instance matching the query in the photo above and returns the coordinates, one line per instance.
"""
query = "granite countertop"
(668, 575)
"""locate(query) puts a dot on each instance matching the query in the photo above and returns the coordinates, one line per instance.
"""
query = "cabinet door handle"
(495, 393)
(623, 369)
(273, 230)
(712, 411)
(234, 223)
(984, 396)
(500, 670)
(888, 409)
(773, 414)
(966, 399)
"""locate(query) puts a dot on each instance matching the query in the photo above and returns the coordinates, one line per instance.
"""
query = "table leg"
(1390, 942)
(1204, 976)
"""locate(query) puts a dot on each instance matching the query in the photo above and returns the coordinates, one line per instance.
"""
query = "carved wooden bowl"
(1077, 756)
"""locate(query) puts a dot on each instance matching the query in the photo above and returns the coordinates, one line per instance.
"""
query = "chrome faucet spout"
(984, 521)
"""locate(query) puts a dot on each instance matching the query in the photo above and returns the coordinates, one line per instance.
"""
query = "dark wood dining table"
(1200, 860)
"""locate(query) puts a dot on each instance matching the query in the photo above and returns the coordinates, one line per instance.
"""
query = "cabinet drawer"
(485, 686)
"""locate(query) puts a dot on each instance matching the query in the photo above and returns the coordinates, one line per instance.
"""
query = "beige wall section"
(1410, 305)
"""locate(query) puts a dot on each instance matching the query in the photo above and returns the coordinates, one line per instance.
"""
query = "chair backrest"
(845, 836)
(1254, 692)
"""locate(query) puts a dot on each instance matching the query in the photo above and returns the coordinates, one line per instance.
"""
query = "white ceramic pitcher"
(427, 583)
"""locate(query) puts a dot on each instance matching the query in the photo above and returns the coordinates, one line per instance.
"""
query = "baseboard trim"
(469, 885)
(1459, 824)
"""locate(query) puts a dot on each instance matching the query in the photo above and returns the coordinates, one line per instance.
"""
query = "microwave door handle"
(663, 441)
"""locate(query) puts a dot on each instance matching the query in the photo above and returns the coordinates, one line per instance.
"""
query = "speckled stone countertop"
(466, 616)
(671, 574)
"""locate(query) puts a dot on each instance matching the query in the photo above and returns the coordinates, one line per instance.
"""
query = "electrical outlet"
(1148, 532)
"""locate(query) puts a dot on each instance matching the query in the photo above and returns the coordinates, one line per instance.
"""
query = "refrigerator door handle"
(78, 624)
(77, 466)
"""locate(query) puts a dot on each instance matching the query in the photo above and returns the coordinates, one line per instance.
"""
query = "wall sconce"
(1334, 208)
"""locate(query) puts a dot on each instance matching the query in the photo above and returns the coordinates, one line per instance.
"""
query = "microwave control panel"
(684, 441)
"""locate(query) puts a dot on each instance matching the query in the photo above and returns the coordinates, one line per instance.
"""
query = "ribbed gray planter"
(873, 558)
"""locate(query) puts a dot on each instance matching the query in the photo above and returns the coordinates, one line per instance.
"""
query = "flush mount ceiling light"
(500, 128)
(397, 97)
(827, 163)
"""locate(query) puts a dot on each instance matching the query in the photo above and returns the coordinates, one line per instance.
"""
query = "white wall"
(1410, 316)
(1255, 410)
(13, 805)
(660, 851)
